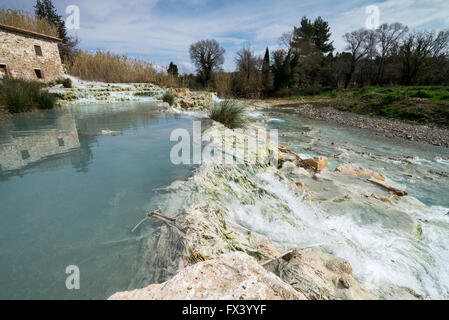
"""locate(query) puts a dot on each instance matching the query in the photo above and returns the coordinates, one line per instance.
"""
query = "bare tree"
(370, 45)
(207, 56)
(356, 45)
(248, 80)
(247, 63)
(417, 48)
(286, 39)
(388, 36)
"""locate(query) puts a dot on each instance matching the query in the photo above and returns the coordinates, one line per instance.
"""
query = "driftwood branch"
(160, 215)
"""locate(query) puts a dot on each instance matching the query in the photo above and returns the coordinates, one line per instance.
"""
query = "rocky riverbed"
(387, 127)
(295, 228)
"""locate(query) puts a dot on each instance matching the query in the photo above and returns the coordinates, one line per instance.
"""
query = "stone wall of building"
(17, 52)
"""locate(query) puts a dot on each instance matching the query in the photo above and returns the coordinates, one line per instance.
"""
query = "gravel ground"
(389, 127)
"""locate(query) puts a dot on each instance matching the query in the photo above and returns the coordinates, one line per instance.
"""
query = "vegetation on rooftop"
(24, 20)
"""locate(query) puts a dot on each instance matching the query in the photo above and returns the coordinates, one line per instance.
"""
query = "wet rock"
(316, 164)
(183, 92)
(440, 173)
(393, 292)
(359, 171)
(233, 276)
(298, 172)
(185, 104)
(110, 133)
(288, 155)
(318, 275)
(396, 189)
(288, 167)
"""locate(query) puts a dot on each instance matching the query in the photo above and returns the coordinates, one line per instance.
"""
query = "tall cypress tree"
(46, 10)
(173, 69)
(266, 69)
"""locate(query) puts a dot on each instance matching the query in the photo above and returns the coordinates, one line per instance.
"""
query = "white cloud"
(164, 30)
(273, 31)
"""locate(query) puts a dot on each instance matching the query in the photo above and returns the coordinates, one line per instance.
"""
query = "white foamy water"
(379, 256)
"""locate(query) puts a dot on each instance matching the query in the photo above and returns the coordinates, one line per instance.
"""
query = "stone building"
(29, 55)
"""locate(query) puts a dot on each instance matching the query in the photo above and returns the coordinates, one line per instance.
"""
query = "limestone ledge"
(94, 93)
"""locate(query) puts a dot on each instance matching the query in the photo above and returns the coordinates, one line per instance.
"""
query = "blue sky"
(161, 31)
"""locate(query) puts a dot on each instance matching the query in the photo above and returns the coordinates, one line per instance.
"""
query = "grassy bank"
(425, 104)
(21, 96)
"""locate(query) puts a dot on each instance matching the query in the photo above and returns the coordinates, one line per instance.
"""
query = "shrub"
(23, 95)
(229, 113)
(66, 83)
(421, 94)
(223, 84)
(169, 98)
(390, 98)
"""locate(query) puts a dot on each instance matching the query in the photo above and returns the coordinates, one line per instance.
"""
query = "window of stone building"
(61, 142)
(3, 71)
(25, 154)
(38, 50)
(39, 74)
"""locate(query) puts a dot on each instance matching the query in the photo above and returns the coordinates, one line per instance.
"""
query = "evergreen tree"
(266, 75)
(46, 10)
(303, 34)
(311, 41)
(321, 36)
(173, 69)
(285, 66)
(316, 34)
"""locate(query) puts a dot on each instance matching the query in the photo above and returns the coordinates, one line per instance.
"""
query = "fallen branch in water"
(160, 215)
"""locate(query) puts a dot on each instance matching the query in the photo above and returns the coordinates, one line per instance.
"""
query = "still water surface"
(70, 196)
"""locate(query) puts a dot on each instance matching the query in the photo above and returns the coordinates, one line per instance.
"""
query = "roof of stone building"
(28, 32)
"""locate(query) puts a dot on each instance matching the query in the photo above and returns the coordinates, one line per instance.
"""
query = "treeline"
(389, 55)
(306, 64)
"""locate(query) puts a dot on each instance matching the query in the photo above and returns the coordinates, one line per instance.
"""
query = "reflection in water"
(70, 196)
(24, 149)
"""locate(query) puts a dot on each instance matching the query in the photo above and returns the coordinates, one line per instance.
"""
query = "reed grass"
(230, 113)
(107, 67)
(24, 20)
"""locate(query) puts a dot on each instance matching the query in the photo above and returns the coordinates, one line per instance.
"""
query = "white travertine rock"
(351, 169)
(233, 276)
(318, 275)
